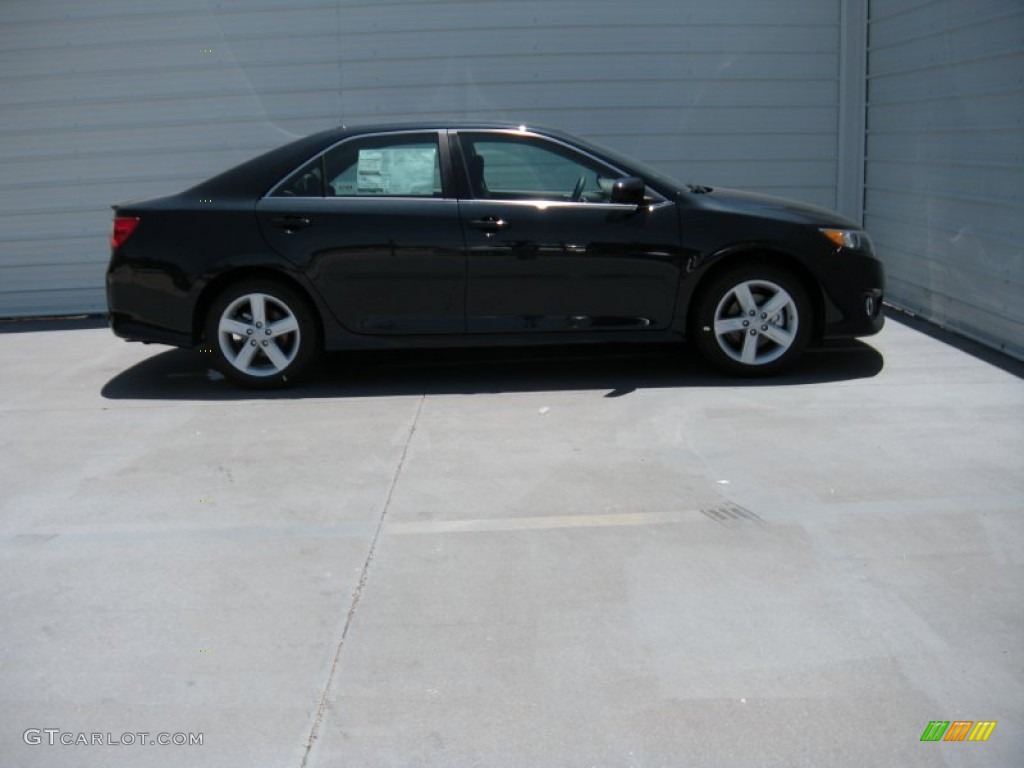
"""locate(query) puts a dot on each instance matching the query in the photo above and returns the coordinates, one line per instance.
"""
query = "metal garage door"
(944, 193)
(103, 101)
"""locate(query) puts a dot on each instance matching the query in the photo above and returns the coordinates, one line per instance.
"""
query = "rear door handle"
(489, 224)
(291, 223)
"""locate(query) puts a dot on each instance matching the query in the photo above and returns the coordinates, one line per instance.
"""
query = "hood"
(768, 206)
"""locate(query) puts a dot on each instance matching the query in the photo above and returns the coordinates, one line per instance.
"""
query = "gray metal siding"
(944, 194)
(109, 100)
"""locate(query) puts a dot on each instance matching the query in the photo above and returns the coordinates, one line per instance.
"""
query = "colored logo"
(958, 730)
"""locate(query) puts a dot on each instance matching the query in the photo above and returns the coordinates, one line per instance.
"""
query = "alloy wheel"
(756, 322)
(259, 334)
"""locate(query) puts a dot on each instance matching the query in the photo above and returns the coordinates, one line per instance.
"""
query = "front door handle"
(489, 224)
(291, 223)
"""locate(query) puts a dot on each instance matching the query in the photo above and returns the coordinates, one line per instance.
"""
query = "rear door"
(549, 251)
(371, 225)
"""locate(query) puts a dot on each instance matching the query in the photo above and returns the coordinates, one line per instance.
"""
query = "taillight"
(123, 228)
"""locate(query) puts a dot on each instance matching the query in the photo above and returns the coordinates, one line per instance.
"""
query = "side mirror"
(629, 191)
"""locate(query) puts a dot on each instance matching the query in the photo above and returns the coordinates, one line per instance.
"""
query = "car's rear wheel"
(262, 334)
(753, 320)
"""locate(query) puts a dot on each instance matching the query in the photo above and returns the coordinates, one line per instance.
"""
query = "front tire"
(262, 333)
(753, 320)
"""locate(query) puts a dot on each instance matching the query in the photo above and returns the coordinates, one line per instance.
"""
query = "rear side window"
(405, 165)
(305, 182)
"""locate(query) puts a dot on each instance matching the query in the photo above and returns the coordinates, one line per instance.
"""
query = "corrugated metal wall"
(944, 193)
(107, 100)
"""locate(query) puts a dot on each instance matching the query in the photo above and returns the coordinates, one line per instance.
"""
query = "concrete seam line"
(358, 593)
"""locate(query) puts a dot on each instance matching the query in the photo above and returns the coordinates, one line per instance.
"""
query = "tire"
(262, 333)
(753, 320)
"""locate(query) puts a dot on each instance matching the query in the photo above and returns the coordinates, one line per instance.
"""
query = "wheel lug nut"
(746, 323)
(265, 342)
(752, 313)
(753, 332)
(764, 327)
(267, 331)
(764, 315)
(259, 325)
(253, 342)
(249, 331)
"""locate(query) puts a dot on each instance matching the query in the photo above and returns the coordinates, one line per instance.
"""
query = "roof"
(262, 172)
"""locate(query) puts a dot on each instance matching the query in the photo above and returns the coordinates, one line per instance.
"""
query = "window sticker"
(395, 171)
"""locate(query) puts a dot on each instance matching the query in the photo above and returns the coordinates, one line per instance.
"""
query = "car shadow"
(619, 369)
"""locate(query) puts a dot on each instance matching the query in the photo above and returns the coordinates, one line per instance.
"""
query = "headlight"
(852, 239)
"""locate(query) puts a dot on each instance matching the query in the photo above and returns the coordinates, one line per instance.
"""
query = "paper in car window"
(396, 171)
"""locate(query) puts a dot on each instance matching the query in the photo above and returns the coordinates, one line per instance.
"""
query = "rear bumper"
(147, 306)
(127, 328)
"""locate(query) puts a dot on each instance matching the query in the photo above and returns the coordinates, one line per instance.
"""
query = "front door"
(548, 250)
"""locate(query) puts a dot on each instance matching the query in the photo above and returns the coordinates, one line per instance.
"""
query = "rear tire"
(753, 320)
(262, 333)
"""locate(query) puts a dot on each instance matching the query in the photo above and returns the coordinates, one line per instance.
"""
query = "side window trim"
(444, 163)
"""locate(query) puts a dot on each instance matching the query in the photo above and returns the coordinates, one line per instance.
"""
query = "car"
(479, 234)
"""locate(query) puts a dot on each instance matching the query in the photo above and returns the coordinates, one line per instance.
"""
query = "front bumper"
(854, 293)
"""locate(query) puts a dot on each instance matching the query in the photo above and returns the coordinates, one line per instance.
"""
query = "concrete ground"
(509, 559)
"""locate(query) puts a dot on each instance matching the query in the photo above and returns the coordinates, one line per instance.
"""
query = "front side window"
(504, 167)
(406, 165)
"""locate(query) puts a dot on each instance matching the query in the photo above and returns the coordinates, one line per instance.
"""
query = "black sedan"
(479, 234)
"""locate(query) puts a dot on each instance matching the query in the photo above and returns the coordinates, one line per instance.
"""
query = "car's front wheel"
(262, 334)
(753, 320)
